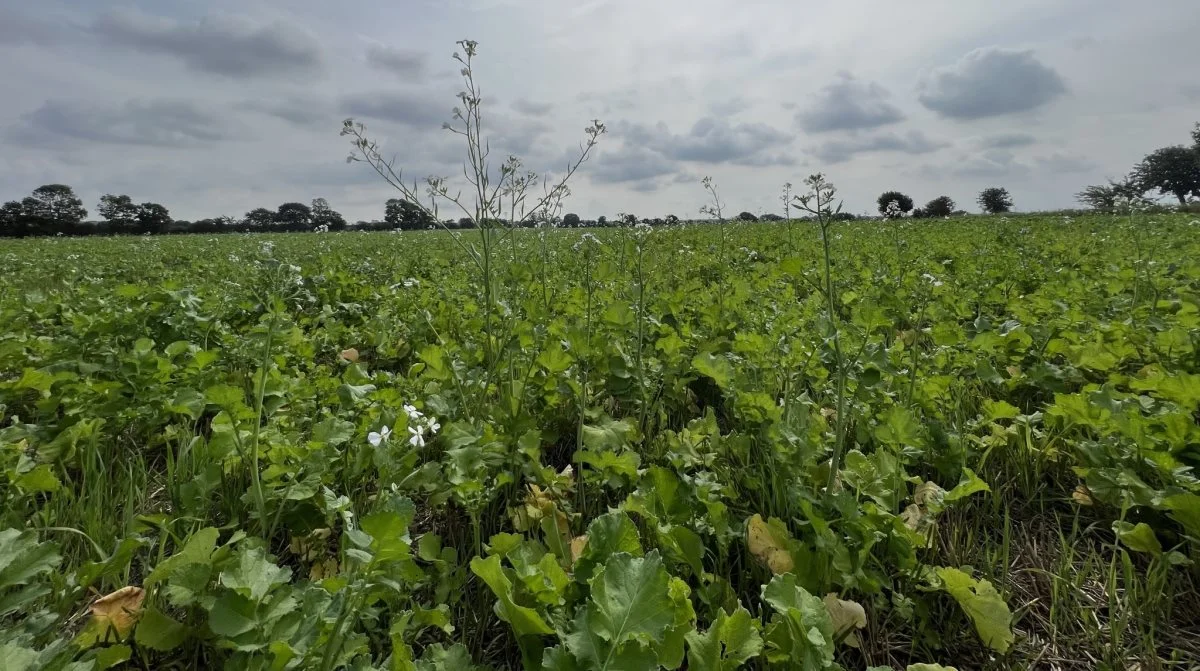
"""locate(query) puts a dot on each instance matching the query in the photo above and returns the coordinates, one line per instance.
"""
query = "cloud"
(990, 82)
(1190, 92)
(912, 142)
(407, 64)
(1060, 162)
(712, 140)
(222, 45)
(162, 123)
(849, 104)
(299, 110)
(17, 28)
(629, 164)
(531, 108)
(410, 108)
(1007, 140)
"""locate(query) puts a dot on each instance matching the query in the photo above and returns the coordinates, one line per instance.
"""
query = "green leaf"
(731, 641)
(525, 621)
(350, 394)
(253, 575)
(607, 535)
(159, 632)
(438, 658)
(23, 558)
(968, 485)
(633, 605)
(928, 667)
(983, 604)
(1139, 537)
(716, 367)
(107, 658)
(800, 631)
(898, 428)
(332, 431)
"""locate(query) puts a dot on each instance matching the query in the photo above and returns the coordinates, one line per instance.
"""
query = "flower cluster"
(421, 429)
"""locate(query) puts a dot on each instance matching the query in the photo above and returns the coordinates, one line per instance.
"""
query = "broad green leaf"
(898, 428)
(253, 576)
(801, 631)
(731, 641)
(525, 621)
(983, 604)
(607, 535)
(968, 485)
(23, 558)
(1137, 537)
(159, 632)
(716, 367)
(632, 607)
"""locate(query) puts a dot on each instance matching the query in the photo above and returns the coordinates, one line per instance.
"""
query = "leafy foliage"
(995, 200)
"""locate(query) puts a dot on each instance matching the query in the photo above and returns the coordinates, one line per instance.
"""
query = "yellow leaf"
(1082, 496)
(847, 616)
(769, 542)
(350, 355)
(119, 611)
(577, 545)
(323, 569)
(926, 492)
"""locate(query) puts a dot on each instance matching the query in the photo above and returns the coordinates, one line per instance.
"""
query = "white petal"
(374, 439)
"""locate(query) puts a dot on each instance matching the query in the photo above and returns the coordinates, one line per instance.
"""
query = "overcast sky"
(221, 106)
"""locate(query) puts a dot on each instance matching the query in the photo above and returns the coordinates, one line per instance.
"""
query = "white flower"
(376, 438)
(416, 438)
(412, 412)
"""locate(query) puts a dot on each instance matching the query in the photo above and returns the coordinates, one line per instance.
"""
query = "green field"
(616, 454)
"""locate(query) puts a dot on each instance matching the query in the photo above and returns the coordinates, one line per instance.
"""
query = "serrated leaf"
(253, 576)
(607, 535)
(983, 604)
(800, 631)
(197, 550)
(731, 640)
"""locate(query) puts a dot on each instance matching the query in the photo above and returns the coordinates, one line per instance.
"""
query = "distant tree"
(259, 219)
(919, 213)
(1171, 170)
(942, 206)
(153, 218)
(902, 201)
(120, 212)
(570, 220)
(629, 220)
(995, 200)
(294, 217)
(1196, 137)
(746, 216)
(465, 222)
(771, 216)
(672, 220)
(406, 216)
(52, 209)
(602, 221)
(12, 220)
(323, 215)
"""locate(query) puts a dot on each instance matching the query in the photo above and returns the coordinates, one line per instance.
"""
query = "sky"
(218, 107)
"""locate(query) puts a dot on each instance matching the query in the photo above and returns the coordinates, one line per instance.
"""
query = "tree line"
(1171, 171)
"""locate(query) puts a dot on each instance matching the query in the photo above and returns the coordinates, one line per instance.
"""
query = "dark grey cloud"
(408, 64)
(299, 110)
(990, 82)
(223, 45)
(712, 140)
(629, 164)
(162, 123)
(849, 104)
(1006, 140)
(912, 142)
(410, 108)
(1060, 162)
(530, 108)
(1190, 92)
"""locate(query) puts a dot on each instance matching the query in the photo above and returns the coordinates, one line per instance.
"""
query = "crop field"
(623, 449)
